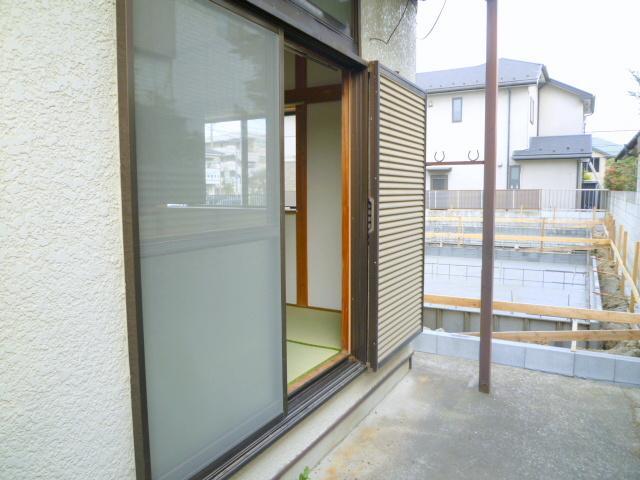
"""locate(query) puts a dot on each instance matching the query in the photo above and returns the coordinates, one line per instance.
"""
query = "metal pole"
(489, 193)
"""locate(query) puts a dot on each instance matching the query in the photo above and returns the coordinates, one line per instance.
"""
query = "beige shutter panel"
(397, 161)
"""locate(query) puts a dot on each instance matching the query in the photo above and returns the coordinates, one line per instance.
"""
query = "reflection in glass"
(235, 168)
(207, 126)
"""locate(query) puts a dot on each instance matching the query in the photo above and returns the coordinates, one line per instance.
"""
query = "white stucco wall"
(324, 205)
(65, 398)
(377, 20)
(561, 113)
(548, 174)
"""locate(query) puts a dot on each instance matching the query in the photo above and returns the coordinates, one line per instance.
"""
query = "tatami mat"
(313, 337)
(317, 327)
(302, 358)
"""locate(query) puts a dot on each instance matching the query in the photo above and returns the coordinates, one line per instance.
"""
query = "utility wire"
(613, 131)
(386, 42)
(435, 22)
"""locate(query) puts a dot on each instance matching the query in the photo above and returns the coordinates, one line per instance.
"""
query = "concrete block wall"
(455, 320)
(562, 361)
(625, 208)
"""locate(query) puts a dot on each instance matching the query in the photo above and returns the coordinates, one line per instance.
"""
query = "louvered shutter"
(397, 208)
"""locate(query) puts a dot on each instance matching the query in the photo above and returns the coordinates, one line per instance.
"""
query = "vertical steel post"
(489, 193)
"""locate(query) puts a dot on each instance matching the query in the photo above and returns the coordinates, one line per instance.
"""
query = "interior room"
(313, 206)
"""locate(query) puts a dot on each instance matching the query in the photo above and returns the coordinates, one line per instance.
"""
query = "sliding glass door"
(207, 129)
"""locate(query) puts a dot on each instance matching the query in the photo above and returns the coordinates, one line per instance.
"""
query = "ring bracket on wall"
(435, 157)
(473, 159)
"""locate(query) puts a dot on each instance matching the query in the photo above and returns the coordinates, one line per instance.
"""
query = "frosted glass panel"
(207, 150)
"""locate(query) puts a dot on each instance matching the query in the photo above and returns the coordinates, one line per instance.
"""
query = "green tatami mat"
(317, 327)
(302, 358)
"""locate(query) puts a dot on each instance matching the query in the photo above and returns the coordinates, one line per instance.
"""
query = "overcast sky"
(590, 44)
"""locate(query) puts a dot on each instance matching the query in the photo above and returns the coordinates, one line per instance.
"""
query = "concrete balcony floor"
(436, 425)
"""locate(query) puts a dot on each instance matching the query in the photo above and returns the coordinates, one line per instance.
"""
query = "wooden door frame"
(353, 153)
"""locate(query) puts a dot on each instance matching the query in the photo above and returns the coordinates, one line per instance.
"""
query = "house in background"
(602, 151)
(541, 128)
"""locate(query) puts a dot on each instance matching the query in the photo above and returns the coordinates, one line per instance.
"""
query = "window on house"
(439, 182)
(514, 176)
(596, 163)
(532, 108)
(456, 109)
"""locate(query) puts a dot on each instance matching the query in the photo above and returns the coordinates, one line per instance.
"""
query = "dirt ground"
(614, 299)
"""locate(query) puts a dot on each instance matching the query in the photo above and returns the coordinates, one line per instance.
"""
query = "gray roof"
(605, 147)
(560, 146)
(510, 73)
(630, 147)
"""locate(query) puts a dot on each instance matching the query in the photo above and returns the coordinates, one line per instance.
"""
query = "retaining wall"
(581, 363)
(625, 208)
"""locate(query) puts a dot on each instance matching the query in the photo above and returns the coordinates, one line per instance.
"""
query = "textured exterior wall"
(64, 397)
(377, 20)
(560, 174)
(459, 140)
(561, 112)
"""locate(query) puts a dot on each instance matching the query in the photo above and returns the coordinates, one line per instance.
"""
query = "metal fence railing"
(237, 200)
(578, 199)
(510, 275)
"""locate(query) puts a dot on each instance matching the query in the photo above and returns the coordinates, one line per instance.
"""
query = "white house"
(541, 128)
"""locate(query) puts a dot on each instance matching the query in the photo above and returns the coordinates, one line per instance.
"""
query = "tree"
(621, 175)
(635, 93)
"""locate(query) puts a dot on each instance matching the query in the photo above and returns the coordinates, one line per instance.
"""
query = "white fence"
(579, 199)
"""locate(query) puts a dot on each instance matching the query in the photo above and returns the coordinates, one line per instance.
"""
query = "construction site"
(565, 302)
(564, 275)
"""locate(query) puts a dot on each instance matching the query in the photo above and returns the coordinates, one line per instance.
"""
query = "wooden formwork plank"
(522, 238)
(565, 335)
(547, 310)
(627, 276)
(533, 220)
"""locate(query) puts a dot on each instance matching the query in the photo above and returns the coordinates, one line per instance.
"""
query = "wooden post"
(302, 289)
(636, 264)
(618, 239)
(612, 230)
(634, 275)
(611, 233)
(488, 196)
(623, 255)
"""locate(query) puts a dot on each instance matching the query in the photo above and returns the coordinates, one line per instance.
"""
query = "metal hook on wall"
(435, 157)
(473, 159)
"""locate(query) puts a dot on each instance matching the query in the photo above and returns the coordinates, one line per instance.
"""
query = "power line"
(613, 131)
(386, 42)
(435, 22)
